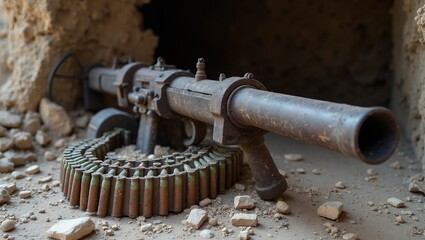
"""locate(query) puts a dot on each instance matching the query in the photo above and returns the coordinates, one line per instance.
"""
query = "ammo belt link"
(98, 181)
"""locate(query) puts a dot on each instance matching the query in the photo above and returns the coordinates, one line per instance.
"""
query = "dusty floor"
(307, 191)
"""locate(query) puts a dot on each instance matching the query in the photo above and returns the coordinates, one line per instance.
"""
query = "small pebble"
(293, 157)
(399, 219)
(109, 232)
(206, 233)
(340, 185)
(205, 202)
(350, 236)
(282, 207)
(34, 169)
(239, 187)
(45, 179)
(24, 194)
(300, 170)
(7, 225)
(315, 171)
(17, 175)
(371, 172)
(330, 210)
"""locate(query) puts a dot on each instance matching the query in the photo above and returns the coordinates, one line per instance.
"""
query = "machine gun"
(240, 111)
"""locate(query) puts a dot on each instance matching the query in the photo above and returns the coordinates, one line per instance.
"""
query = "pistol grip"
(270, 184)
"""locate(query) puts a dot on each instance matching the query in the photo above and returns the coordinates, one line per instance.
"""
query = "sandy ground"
(306, 192)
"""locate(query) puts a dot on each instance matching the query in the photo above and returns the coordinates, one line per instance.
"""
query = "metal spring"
(93, 178)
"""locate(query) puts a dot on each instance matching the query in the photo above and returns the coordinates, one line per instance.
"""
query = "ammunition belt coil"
(97, 180)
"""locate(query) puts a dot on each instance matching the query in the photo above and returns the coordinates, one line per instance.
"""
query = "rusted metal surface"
(94, 178)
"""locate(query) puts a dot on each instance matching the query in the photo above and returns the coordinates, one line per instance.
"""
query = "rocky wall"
(39, 31)
(408, 92)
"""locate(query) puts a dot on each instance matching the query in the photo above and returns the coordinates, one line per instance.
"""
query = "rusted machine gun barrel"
(369, 134)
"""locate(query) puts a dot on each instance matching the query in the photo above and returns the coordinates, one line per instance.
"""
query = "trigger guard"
(199, 131)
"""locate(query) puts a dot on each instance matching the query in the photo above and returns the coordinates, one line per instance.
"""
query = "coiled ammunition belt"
(98, 181)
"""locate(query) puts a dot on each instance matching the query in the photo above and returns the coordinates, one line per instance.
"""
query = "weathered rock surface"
(10, 120)
(245, 219)
(44, 30)
(330, 210)
(71, 229)
(243, 202)
(196, 218)
(55, 117)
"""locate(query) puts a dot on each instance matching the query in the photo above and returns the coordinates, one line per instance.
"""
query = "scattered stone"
(350, 236)
(146, 227)
(283, 173)
(293, 157)
(244, 235)
(115, 227)
(71, 229)
(61, 143)
(42, 138)
(156, 222)
(315, 171)
(34, 169)
(20, 158)
(206, 233)
(245, 219)
(330, 210)
(5, 144)
(340, 185)
(82, 121)
(3, 131)
(109, 232)
(17, 174)
(399, 219)
(6, 166)
(196, 218)
(22, 140)
(45, 179)
(205, 202)
(7, 225)
(239, 187)
(213, 221)
(300, 171)
(416, 187)
(244, 202)
(24, 194)
(395, 202)
(371, 172)
(31, 123)
(10, 120)
(50, 156)
(4, 196)
(9, 187)
(283, 207)
(56, 183)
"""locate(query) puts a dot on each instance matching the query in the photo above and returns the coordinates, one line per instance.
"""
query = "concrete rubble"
(330, 210)
(197, 218)
(245, 219)
(71, 229)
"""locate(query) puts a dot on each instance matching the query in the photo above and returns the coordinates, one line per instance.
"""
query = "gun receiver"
(241, 111)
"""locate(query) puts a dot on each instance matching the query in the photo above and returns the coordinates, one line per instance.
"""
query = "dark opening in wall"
(332, 50)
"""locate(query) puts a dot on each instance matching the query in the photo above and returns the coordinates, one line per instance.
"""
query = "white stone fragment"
(146, 227)
(196, 218)
(371, 172)
(399, 219)
(71, 229)
(244, 202)
(293, 157)
(206, 233)
(244, 235)
(245, 219)
(330, 210)
(9, 187)
(395, 202)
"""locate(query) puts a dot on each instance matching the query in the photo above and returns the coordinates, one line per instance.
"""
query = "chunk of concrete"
(243, 202)
(71, 229)
(395, 202)
(282, 207)
(196, 218)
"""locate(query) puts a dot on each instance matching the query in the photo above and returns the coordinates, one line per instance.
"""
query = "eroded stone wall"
(39, 31)
(408, 99)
